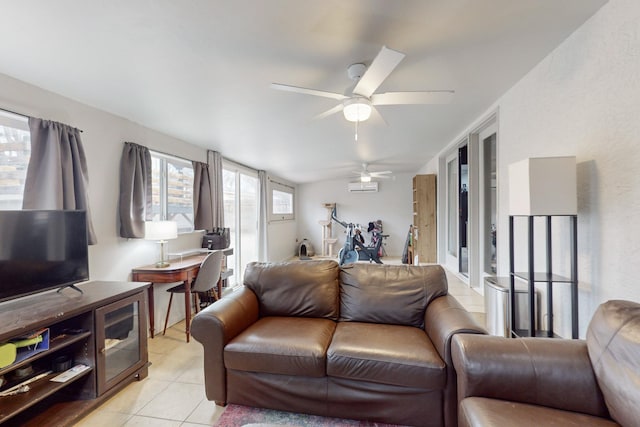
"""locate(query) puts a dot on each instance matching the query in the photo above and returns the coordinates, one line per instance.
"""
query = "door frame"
(451, 260)
(476, 202)
(475, 277)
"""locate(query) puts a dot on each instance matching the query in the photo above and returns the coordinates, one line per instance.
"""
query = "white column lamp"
(161, 231)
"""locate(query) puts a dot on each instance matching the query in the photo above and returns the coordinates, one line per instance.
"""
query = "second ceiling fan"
(366, 175)
(357, 107)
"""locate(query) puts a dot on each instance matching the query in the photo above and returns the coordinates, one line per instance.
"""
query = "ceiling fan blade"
(329, 112)
(378, 116)
(426, 97)
(307, 91)
(381, 173)
(383, 64)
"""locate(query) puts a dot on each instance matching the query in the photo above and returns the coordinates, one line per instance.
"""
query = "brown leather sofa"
(545, 381)
(365, 341)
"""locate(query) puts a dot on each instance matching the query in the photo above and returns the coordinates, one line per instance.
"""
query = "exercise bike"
(348, 253)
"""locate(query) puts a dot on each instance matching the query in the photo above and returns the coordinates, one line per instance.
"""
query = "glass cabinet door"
(121, 340)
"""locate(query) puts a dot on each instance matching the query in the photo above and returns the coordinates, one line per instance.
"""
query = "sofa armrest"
(444, 318)
(551, 372)
(214, 327)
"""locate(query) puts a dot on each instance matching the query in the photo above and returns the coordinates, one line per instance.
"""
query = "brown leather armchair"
(545, 381)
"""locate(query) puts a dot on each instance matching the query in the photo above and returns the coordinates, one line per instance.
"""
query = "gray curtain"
(135, 190)
(57, 176)
(202, 203)
(263, 219)
(217, 198)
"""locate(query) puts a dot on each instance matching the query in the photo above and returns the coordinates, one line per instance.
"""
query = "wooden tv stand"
(104, 328)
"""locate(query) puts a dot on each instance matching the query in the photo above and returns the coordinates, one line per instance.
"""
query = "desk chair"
(207, 279)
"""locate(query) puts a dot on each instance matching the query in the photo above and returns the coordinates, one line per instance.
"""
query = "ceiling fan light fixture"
(357, 109)
(365, 178)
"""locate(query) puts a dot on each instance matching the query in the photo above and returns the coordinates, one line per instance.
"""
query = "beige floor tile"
(206, 413)
(103, 418)
(169, 367)
(194, 373)
(139, 421)
(135, 396)
(176, 402)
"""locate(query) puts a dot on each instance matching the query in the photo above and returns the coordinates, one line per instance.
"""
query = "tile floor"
(173, 393)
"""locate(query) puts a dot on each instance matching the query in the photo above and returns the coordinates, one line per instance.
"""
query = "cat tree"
(327, 234)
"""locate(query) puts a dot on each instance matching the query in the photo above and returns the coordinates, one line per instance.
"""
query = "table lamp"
(161, 231)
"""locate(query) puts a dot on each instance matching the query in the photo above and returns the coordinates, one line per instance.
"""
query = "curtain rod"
(280, 183)
(6, 110)
(228, 160)
(172, 155)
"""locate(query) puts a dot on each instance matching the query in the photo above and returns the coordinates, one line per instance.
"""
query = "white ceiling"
(200, 70)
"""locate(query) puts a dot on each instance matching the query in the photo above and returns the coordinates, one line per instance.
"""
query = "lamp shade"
(357, 109)
(160, 230)
(543, 186)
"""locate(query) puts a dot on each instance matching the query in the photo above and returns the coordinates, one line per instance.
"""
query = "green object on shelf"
(27, 342)
(7, 354)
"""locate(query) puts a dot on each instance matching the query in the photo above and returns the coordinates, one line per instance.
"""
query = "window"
(282, 202)
(240, 188)
(172, 190)
(15, 152)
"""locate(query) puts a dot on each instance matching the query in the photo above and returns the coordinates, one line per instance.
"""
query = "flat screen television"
(41, 250)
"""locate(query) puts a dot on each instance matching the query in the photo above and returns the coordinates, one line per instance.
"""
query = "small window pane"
(180, 194)
(282, 202)
(172, 191)
(15, 151)
(156, 204)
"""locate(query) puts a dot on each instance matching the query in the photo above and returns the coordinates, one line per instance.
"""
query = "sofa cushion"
(613, 340)
(299, 288)
(282, 345)
(392, 294)
(481, 411)
(387, 354)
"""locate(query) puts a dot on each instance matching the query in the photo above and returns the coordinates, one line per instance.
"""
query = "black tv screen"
(41, 250)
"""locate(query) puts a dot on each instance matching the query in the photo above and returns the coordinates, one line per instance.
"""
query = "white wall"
(282, 240)
(584, 100)
(392, 204)
(114, 257)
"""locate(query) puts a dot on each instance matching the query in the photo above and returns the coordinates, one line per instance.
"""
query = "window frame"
(274, 186)
(163, 183)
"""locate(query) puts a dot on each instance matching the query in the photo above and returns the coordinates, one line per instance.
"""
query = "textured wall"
(584, 100)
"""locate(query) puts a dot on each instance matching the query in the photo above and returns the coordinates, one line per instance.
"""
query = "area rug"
(239, 416)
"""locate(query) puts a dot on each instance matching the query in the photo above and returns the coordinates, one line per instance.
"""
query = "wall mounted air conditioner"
(363, 187)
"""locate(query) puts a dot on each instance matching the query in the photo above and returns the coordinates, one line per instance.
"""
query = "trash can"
(496, 303)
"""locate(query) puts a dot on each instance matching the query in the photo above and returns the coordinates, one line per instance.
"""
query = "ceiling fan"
(357, 107)
(366, 175)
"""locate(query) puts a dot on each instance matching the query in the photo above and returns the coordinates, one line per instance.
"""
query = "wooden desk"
(184, 271)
